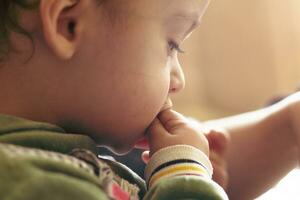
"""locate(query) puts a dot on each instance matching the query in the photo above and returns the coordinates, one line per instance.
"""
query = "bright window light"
(287, 188)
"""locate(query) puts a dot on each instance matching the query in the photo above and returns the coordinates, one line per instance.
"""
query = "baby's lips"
(168, 104)
(142, 143)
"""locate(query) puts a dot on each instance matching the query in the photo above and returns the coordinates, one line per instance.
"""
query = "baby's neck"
(20, 96)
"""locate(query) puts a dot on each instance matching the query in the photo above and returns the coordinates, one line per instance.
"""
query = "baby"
(76, 74)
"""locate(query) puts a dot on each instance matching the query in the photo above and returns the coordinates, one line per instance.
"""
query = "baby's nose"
(177, 80)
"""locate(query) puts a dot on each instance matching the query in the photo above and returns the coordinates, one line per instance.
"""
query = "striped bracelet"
(177, 160)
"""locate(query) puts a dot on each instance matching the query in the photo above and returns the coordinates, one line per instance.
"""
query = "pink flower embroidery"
(117, 193)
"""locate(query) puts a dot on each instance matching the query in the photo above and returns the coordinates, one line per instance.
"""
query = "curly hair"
(9, 17)
(9, 23)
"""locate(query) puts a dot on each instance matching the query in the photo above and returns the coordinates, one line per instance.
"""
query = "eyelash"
(175, 47)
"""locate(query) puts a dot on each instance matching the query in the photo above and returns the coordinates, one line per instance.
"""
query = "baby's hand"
(171, 128)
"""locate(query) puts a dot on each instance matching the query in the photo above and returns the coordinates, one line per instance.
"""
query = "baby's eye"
(175, 47)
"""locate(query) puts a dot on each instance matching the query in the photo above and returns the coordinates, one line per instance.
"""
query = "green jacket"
(41, 161)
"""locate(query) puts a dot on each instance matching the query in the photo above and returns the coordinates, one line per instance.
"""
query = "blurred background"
(245, 53)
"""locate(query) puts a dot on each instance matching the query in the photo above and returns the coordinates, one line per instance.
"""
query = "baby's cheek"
(155, 97)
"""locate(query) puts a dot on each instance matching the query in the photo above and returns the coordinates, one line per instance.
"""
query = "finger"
(170, 114)
(156, 131)
(220, 176)
(218, 141)
(146, 157)
(217, 158)
(171, 119)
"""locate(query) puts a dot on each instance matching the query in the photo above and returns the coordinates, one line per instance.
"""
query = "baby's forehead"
(168, 8)
(186, 8)
(185, 4)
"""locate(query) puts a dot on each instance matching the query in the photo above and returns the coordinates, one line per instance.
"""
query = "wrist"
(177, 160)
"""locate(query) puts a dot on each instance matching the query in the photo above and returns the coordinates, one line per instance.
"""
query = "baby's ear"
(62, 25)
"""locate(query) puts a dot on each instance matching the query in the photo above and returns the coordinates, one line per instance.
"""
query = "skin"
(105, 71)
(266, 143)
(110, 75)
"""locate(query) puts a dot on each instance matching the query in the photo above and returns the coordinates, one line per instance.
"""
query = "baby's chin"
(126, 146)
(121, 149)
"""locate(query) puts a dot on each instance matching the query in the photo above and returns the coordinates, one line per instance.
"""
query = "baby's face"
(127, 67)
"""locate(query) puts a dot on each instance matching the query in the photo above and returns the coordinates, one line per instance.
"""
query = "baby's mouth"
(143, 143)
(168, 105)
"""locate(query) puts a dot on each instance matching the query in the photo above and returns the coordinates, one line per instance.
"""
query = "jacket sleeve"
(186, 187)
(21, 179)
(181, 172)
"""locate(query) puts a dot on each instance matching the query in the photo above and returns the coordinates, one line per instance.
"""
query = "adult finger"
(220, 176)
(218, 141)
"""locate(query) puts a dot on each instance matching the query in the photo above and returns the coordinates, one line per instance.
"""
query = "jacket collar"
(23, 132)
